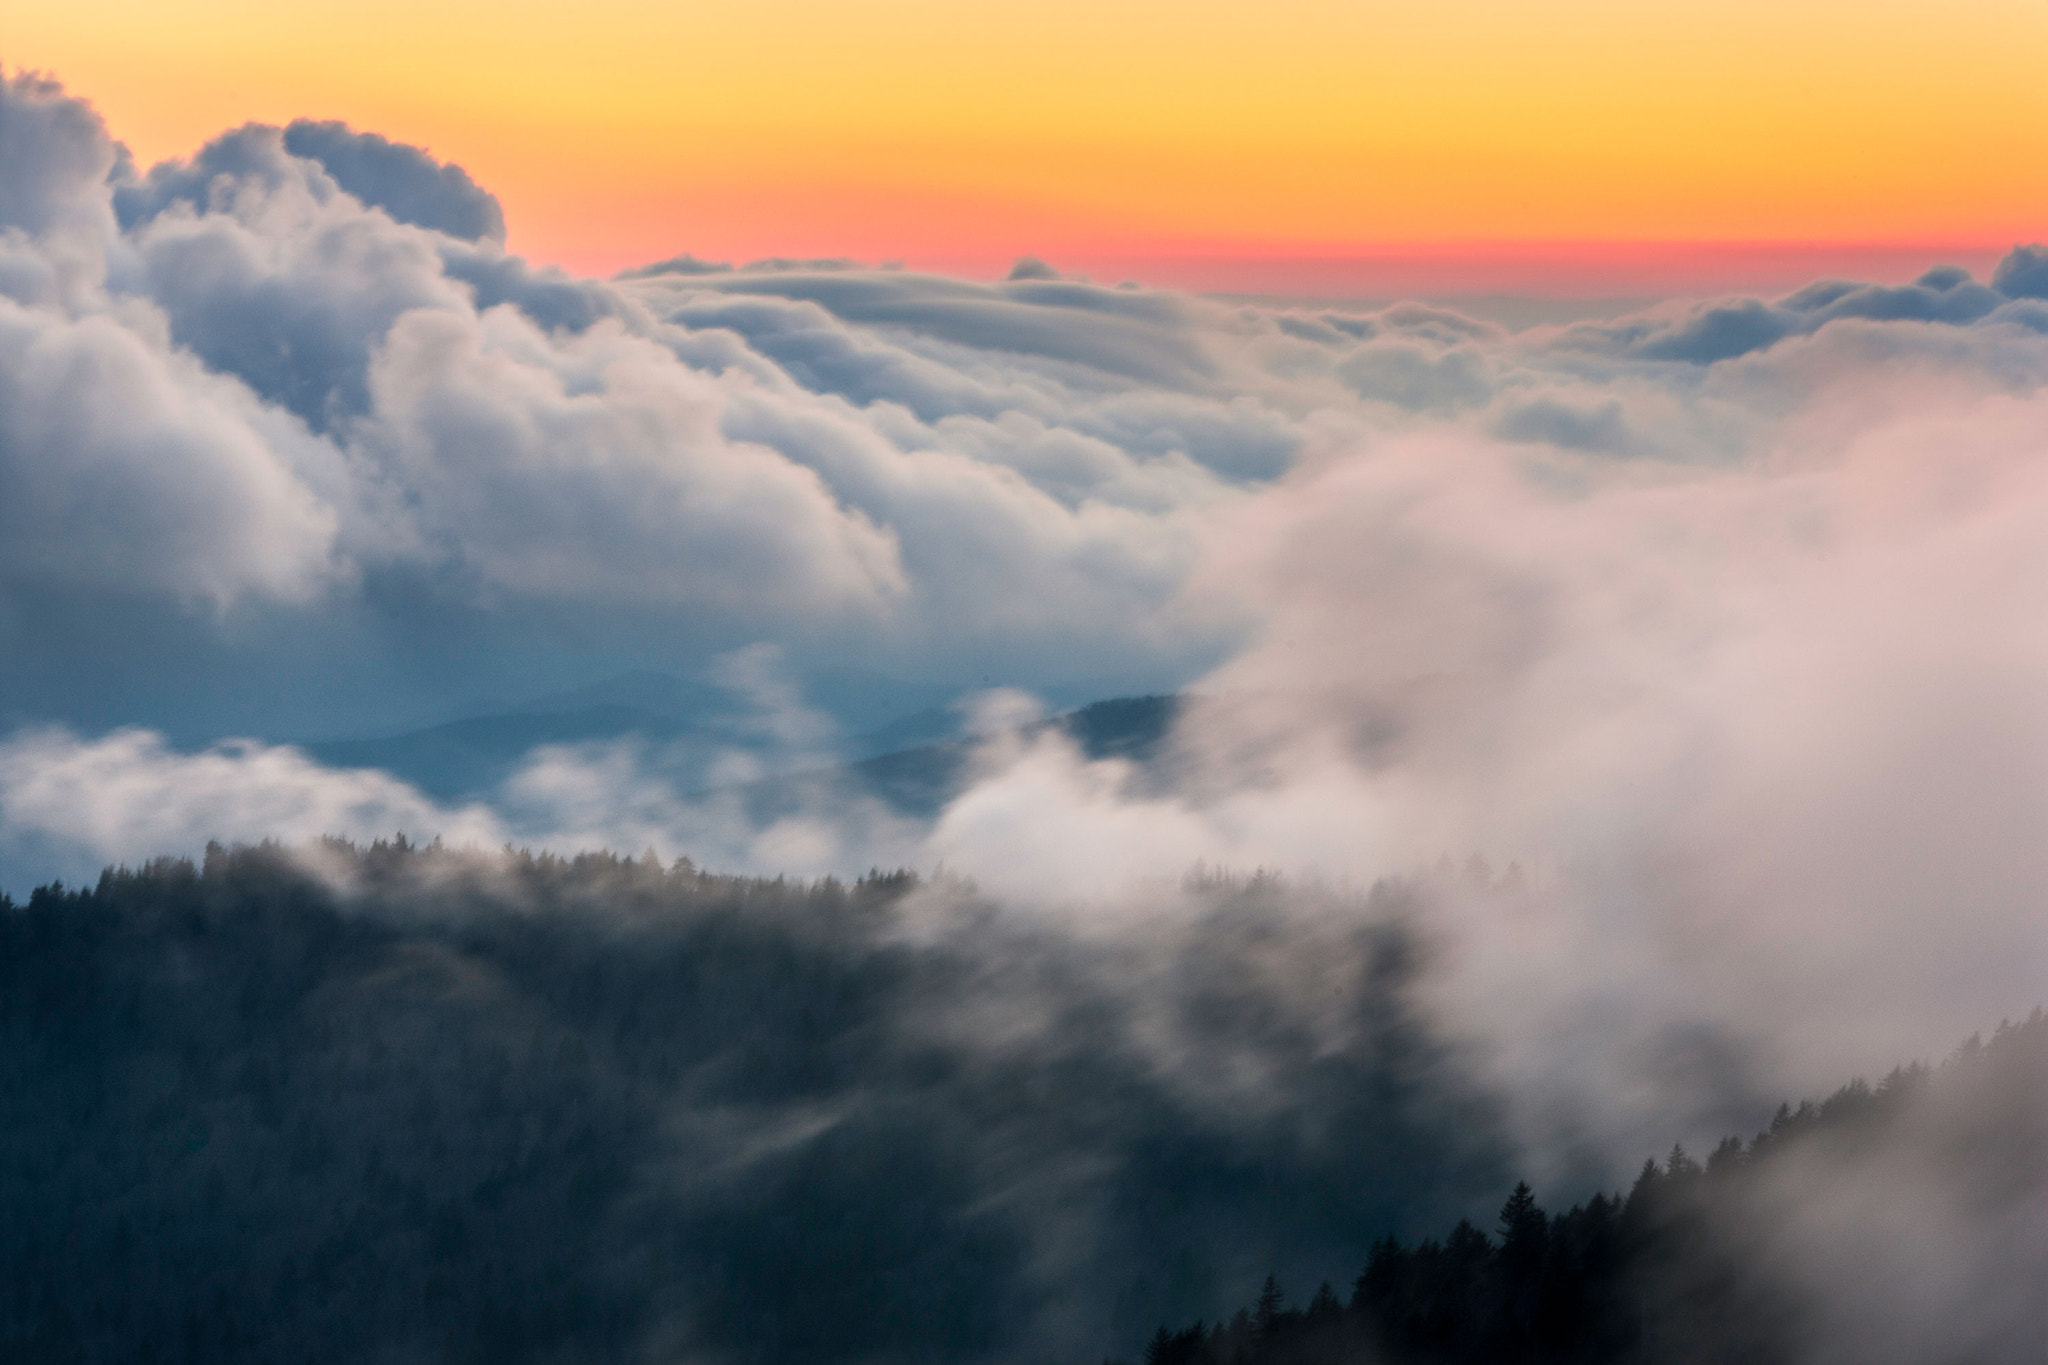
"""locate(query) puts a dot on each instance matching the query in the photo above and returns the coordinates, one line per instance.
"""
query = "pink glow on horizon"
(1556, 270)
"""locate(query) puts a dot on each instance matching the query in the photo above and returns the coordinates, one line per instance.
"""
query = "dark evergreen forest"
(408, 1104)
(1691, 1263)
(425, 1105)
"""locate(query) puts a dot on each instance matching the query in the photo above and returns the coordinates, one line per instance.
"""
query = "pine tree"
(1519, 1217)
(1272, 1302)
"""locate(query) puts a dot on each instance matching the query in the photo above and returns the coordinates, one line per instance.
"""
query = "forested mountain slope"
(413, 1104)
(404, 1103)
(1901, 1222)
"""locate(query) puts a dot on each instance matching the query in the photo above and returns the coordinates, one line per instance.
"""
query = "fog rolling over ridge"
(1667, 689)
(411, 1103)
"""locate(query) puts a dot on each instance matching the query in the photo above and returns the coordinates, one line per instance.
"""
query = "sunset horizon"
(1722, 140)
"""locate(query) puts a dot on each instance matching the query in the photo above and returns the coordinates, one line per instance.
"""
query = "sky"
(1318, 147)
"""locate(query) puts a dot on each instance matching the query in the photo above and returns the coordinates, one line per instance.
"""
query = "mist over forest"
(402, 1102)
(805, 811)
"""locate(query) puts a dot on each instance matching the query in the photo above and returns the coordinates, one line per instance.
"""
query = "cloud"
(190, 488)
(1763, 735)
(74, 804)
(2023, 274)
(397, 427)
(1718, 333)
(1118, 334)
(54, 161)
(322, 159)
(525, 455)
(1598, 430)
(71, 805)
(412, 436)
(1724, 329)
(403, 181)
(282, 282)
(1031, 268)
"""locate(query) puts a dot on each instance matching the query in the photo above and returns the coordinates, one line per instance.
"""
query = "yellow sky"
(617, 130)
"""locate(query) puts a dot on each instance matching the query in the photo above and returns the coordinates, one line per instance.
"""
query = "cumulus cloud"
(54, 162)
(277, 279)
(377, 415)
(403, 181)
(524, 455)
(372, 413)
(188, 485)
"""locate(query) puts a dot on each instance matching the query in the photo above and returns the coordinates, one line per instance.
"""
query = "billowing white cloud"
(126, 467)
(593, 467)
(368, 411)
(298, 373)
(54, 201)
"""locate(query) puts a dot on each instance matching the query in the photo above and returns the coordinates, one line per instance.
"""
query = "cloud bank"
(1702, 644)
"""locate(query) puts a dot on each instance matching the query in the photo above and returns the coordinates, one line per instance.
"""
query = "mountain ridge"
(467, 758)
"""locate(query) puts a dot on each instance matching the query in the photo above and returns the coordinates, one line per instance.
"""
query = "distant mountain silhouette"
(920, 781)
(659, 694)
(682, 720)
(467, 757)
(915, 763)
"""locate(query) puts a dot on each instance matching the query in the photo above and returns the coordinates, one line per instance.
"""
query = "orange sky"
(1134, 135)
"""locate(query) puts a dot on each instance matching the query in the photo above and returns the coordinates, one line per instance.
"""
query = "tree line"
(1694, 1262)
(404, 1103)
(409, 1103)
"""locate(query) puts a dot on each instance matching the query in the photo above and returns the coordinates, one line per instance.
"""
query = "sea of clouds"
(1708, 643)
